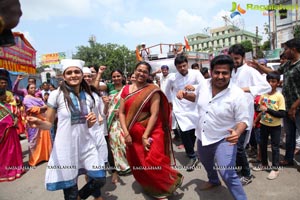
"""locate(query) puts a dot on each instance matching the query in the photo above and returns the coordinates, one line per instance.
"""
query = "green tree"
(113, 56)
(266, 45)
(247, 44)
(41, 68)
(297, 31)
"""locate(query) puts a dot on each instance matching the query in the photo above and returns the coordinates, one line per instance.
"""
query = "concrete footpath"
(31, 185)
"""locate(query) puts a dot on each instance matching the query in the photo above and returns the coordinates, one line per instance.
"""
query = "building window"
(282, 14)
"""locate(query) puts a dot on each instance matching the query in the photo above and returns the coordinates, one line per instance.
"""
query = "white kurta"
(219, 113)
(74, 148)
(184, 110)
(98, 131)
(246, 76)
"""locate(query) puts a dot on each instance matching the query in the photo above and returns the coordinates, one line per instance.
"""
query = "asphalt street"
(31, 185)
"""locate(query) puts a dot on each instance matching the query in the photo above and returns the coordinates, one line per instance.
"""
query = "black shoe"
(245, 180)
(192, 164)
(21, 137)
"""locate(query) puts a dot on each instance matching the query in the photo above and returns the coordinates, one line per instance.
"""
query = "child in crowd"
(256, 129)
(272, 106)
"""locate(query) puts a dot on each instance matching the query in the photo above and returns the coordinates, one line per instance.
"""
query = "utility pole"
(256, 42)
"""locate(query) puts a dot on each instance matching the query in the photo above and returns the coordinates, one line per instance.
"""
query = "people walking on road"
(11, 159)
(291, 93)
(39, 140)
(184, 110)
(74, 151)
(272, 107)
(252, 83)
(98, 130)
(115, 132)
(222, 120)
(145, 119)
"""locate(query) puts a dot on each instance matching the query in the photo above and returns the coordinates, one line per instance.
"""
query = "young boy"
(272, 106)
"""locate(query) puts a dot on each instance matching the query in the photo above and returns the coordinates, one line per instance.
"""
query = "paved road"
(31, 185)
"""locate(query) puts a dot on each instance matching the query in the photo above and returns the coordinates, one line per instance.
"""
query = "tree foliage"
(297, 31)
(41, 68)
(113, 56)
(266, 45)
(247, 44)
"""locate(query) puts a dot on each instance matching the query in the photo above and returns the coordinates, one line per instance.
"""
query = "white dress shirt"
(219, 113)
(163, 81)
(184, 110)
(247, 76)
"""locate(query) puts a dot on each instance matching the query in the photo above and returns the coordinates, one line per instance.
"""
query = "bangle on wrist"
(126, 135)
(145, 138)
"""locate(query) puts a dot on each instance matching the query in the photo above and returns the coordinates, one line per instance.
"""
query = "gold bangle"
(126, 135)
(145, 138)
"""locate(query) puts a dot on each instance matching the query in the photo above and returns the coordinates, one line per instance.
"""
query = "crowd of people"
(86, 126)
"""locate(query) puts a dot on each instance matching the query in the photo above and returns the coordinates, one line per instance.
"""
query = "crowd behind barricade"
(84, 125)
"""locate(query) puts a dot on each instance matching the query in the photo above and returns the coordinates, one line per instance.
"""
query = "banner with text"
(52, 58)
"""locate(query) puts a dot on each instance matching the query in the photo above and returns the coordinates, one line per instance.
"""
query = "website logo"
(236, 10)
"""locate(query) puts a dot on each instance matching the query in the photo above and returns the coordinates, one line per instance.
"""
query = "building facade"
(220, 38)
(283, 22)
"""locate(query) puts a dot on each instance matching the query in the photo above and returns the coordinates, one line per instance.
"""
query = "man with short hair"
(45, 88)
(291, 93)
(144, 52)
(184, 110)
(252, 83)
(221, 121)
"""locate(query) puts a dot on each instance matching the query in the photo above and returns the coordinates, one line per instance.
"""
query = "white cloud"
(189, 23)
(145, 27)
(45, 10)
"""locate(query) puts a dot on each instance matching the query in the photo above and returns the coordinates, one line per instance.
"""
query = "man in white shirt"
(184, 110)
(144, 52)
(221, 121)
(252, 83)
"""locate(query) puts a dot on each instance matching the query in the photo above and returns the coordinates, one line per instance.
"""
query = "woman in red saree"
(145, 119)
(11, 161)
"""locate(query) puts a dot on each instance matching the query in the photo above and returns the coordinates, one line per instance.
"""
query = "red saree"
(151, 169)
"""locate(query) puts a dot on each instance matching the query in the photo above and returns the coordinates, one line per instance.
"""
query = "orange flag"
(137, 54)
(187, 46)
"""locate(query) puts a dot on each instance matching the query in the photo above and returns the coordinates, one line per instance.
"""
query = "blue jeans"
(241, 158)
(265, 132)
(224, 154)
(291, 127)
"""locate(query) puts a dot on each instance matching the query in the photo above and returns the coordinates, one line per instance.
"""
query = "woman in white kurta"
(98, 130)
(74, 151)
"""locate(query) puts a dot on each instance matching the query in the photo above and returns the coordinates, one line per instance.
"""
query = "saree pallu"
(19, 111)
(39, 141)
(115, 134)
(152, 169)
(11, 163)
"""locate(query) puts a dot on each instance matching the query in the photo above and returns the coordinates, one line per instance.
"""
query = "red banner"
(20, 58)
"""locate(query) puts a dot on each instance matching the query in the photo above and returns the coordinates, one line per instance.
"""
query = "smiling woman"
(144, 116)
(72, 102)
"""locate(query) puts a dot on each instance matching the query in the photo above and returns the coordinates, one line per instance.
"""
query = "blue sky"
(62, 25)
